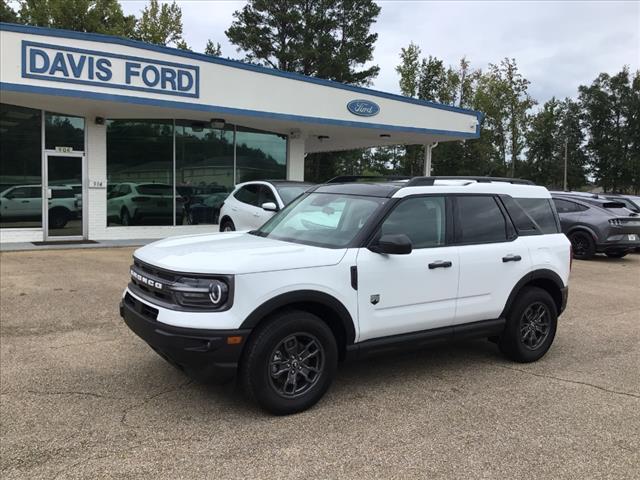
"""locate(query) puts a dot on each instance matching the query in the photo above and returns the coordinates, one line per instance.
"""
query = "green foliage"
(7, 14)
(611, 111)
(99, 16)
(213, 49)
(161, 24)
(324, 38)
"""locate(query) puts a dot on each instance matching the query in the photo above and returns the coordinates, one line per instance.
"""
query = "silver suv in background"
(597, 225)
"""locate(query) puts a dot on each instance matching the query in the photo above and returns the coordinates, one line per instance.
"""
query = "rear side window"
(565, 206)
(248, 194)
(540, 210)
(62, 193)
(480, 220)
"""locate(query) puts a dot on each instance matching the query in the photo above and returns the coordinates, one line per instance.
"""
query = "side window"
(480, 220)
(20, 192)
(124, 190)
(422, 219)
(248, 194)
(35, 192)
(266, 195)
(565, 206)
(539, 209)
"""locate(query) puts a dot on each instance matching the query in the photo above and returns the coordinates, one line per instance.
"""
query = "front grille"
(155, 272)
(143, 309)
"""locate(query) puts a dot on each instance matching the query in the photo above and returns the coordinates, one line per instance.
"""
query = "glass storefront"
(140, 172)
(63, 131)
(20, 167)
(208, 163)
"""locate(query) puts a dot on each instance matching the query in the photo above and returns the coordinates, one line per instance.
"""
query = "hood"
(234, 253)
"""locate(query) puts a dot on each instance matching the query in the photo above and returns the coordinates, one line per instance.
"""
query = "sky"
(557, 45)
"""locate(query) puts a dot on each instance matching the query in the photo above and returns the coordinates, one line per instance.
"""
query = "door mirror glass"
(270, 207)
(392, 244)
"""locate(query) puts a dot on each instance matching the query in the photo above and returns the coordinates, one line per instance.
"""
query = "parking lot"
(82, 397)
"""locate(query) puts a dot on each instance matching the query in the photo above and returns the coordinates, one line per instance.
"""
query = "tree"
(7, 14)
(161, 24)
(213, 49)
(97, 16)
(324, 38)
(610, 117)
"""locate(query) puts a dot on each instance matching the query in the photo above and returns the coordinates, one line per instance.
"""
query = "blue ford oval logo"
(363, 108)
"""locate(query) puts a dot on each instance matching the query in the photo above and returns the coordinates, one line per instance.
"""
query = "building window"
(140, 172)
(63, 131)
(20, 167)
(142, 156)
(260, 155)
(204, 171)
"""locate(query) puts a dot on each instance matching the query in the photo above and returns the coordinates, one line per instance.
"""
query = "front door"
(63, 193)
(409, 293)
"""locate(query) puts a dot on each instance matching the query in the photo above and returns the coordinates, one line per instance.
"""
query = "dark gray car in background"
(597, 225)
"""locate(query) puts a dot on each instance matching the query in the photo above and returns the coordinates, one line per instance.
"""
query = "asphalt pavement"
(82, 397)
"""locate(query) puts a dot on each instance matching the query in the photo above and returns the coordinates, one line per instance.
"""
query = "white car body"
(126, 203)
(25, 201)
(246, 216)
(416, 298)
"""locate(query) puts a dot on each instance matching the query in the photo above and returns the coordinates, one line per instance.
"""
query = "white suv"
(347, 270)
(253, 203)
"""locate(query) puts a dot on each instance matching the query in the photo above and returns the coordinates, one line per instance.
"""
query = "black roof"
(386, 189)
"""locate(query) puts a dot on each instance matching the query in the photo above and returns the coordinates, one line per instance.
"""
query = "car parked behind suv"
(253, 203)
(138, 203)
(597, 225)
(347, 270)
(24, 202)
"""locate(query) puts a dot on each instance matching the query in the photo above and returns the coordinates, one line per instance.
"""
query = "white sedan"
(251, 204)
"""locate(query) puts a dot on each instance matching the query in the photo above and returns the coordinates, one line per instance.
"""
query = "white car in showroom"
(141, 203)
(253, 203)
(24, 203)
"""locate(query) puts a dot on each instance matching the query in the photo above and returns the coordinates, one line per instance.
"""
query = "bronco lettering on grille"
(145, 280)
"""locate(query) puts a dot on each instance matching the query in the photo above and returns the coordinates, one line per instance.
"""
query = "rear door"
(492, 258)
(408, 293)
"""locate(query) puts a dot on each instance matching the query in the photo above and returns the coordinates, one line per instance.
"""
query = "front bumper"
(204, 354)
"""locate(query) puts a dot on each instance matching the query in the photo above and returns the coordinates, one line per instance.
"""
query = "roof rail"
(373, 178)
(429, 181)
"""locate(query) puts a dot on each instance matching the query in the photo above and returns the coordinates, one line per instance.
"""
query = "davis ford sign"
(363, 108)
(87, 67)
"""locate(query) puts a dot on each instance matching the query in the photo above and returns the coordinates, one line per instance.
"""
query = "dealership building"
(93, 126)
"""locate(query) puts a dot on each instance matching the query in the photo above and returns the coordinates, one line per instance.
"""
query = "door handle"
(24, 201)
(440, 264)
(511, 258)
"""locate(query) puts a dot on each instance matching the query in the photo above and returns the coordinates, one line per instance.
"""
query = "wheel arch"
(327, 307)
(583, 228)
(546, 279)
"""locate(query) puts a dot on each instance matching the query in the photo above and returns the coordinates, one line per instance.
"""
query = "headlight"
(205, 293)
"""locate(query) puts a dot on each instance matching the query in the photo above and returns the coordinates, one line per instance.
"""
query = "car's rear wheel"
(58, 218)
(289, 363)
(227, 226)
(584, 248)
(531, 326)
(616, 254)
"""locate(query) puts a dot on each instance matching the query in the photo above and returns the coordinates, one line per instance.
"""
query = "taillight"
(615, 221)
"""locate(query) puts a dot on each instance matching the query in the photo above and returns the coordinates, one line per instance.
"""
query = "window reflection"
(204, 171)
(63, 131)
(140, 172)
(260, 156)
(20, 167)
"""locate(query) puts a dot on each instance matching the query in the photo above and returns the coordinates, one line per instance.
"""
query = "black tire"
(616, 254)
(584, 248)
(525, 340)
(227, 226)
(58, 218)
(266, 351)
(125, 218)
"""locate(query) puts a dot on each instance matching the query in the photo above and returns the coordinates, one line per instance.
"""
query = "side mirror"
(270, 207)
(398, 244)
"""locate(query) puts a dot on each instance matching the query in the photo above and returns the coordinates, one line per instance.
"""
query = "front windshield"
(322, 219)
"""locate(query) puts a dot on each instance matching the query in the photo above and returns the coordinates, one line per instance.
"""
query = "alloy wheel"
(296, 364)
(534, 325)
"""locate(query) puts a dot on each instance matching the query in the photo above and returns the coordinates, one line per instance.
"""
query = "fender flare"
(542, 273)
(301, 296)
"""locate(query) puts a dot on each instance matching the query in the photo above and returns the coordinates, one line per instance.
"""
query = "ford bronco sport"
(350, 269)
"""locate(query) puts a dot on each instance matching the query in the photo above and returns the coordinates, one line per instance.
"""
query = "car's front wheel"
(289, 363)
(531, 326)
(227, 226)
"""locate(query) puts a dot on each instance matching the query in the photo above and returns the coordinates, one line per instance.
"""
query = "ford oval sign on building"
(363, 108)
